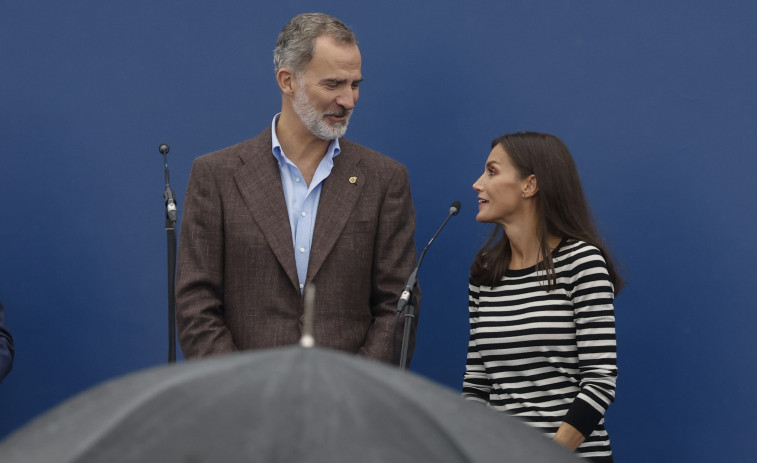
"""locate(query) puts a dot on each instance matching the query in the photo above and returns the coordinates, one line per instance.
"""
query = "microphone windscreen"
(454, 208)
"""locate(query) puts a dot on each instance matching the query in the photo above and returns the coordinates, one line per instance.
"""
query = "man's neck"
(299, 144)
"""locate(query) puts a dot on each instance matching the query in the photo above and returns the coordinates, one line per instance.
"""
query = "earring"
(524, 196)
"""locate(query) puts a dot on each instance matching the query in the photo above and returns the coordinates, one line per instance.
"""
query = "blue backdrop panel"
(655, 99)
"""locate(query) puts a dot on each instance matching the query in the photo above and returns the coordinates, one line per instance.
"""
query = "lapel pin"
(353, 180)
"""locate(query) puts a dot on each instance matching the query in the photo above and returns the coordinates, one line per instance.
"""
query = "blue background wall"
(655, 99)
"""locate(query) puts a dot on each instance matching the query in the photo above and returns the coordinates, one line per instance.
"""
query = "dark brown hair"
(561, 208)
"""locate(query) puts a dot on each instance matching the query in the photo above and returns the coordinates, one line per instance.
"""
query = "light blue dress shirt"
(302, 199)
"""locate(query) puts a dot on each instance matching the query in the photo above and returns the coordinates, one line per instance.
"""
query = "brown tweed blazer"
(237, 284)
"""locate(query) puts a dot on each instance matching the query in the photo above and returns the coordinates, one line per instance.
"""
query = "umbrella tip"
(307, 339)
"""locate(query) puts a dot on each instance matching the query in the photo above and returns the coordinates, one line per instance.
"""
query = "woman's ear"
(530, 186)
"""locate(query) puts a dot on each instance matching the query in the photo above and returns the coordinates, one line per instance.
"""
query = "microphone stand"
(170, 202)
(407, 298)
(408, 316)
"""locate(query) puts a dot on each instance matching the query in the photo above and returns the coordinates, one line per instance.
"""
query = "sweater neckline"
(532, 269)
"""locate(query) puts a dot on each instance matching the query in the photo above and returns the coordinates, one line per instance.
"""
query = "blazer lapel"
(338, 197)
(259, 181)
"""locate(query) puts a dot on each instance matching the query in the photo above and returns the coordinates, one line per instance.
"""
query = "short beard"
(315, 121)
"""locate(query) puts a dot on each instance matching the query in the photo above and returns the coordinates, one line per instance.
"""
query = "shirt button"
(297, 179)
(302, 249)
(302, 286)
(303, 214)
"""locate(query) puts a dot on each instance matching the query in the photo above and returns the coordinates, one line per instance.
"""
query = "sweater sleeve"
(6, 346)
(592, 298)
(476, 383)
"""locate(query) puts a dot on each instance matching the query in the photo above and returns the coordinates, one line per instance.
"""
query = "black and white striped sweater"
(547, 356)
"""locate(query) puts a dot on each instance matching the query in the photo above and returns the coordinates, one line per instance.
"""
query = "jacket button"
(302, 319)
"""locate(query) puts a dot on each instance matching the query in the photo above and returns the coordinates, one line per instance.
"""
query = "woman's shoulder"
(572, 251)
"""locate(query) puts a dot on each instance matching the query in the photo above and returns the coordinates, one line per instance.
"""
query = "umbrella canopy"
(281, 405)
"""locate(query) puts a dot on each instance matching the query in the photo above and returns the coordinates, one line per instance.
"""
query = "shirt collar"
(278, 153)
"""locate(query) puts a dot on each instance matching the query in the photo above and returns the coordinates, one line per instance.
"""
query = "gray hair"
(296, 43)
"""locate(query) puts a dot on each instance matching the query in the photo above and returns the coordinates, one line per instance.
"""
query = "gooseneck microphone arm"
(404, 305)
(413, 279)
(170, 203)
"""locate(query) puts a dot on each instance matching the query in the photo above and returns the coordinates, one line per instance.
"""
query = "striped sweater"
(547, 356)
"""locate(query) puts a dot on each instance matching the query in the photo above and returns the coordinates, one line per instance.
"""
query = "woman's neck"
(525, 247)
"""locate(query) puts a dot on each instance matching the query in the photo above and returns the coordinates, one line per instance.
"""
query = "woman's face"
(500, 189)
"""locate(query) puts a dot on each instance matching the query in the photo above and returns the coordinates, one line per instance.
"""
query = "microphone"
(454, 208)
(171, 235)
(407, 293)
(171, 211)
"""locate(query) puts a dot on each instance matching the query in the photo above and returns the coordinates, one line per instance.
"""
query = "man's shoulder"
(239, 152)
(367, 154)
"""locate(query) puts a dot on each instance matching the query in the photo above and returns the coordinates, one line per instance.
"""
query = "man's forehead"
(332, 61)
(325, 46)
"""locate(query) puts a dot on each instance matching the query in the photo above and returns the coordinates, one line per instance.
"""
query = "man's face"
(328, 88)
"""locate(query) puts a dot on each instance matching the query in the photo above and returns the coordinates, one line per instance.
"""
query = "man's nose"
(347, 98)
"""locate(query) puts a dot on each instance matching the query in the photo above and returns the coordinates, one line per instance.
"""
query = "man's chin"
(333, 129)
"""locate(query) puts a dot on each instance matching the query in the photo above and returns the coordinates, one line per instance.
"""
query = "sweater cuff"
(477, 395)
(583, 417)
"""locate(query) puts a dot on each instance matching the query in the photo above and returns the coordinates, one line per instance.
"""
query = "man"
(297, 205)
(6, 346)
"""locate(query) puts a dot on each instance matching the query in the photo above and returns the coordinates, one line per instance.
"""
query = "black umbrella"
(289, 404)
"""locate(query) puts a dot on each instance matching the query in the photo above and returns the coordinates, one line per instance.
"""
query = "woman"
(542, 338)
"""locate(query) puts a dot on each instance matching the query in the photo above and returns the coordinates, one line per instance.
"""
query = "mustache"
(342, 111)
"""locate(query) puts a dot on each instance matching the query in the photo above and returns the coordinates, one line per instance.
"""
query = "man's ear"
(287, 81)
